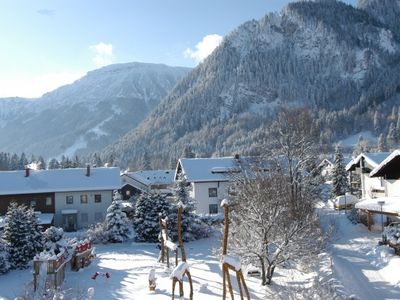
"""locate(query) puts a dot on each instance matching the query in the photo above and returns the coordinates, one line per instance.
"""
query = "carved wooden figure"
(166, 245)
(182, 268)
(231, 263)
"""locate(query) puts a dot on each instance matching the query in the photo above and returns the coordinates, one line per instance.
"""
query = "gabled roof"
(210, 169)
(372, 159)
(389, 167)
(59, 180)
(152, 177)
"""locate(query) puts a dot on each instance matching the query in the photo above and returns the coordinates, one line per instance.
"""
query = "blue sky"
(47, 43)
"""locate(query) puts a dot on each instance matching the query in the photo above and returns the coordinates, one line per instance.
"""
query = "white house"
(76, 197)
(362, 184)
(387, 172)
(210, 179)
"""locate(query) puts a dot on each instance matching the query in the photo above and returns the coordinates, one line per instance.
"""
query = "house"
(388, 205)
(359, 168)
(135, 183)
(210, 179)
(75, 197)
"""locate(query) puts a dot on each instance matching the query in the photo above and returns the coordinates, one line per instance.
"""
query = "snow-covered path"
(364, 269)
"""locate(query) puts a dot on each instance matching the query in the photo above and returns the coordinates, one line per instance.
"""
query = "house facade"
(76, 197)
(359, 168)
(210, 179)
(388, 205)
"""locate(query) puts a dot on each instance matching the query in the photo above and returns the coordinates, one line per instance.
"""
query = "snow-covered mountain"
(88, 114)
(339, 61)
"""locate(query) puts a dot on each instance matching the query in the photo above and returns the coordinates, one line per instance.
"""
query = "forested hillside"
(339, 62)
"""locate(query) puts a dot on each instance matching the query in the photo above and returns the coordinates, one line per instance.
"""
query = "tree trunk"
(270, 273)
(263, 273)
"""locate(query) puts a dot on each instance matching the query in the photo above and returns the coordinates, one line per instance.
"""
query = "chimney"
(27, 171)
(87, 170)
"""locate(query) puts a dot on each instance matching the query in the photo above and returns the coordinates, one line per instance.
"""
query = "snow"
(359, 264)
(345, 199)
(384, 162)
(170, 245)
(153, 177)
(232, 261)
(352, 140)
(179, 270)
(80, 143)
(60, 180)
(210, 169)
(43, 218)
(391, 204)
(225, 202)
(373, 159)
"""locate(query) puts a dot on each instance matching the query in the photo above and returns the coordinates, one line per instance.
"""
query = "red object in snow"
(95, 275)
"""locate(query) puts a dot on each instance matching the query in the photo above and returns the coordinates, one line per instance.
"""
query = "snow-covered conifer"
(21, 235)
(146, 221)
(117, 223)
(339, 175)
(4, 258)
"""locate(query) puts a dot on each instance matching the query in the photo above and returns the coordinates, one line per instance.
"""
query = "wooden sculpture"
(182, 268)
(230, 262)
(166, 244)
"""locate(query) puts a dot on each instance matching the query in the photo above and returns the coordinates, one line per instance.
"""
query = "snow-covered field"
(358, 266)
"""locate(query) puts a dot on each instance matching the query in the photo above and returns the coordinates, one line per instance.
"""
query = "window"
(213, 208)
(70, 200)
(212, 192)
(33, 203)
(84, 217)
(84, 199)
(49, 201)
(98, 217)
(97, 198)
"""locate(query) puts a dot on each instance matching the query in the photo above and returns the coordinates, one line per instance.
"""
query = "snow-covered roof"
(373, 159)
(44, 218)
(380, 169)
(208, 169)
(153, 177)
(59, 180)
(391, 205)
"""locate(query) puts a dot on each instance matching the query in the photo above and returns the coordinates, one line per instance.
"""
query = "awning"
(69, 211)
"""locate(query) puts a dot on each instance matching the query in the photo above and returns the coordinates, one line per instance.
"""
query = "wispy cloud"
(46, 12)
(33, 86)
(103, 54)
(204, 47)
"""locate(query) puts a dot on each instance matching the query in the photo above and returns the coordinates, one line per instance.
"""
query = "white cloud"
(103, 54)
(204, 47)
(33, 86)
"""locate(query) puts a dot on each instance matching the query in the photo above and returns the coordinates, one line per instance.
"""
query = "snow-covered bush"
(4, 258)
(391, 234)
(146, 222)
(22, 235)
(116, 224)
(212, 220)
(354, 216)
(98, 234)
(53, 234)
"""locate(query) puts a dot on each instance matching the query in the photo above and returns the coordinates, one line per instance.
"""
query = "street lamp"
(381, 203)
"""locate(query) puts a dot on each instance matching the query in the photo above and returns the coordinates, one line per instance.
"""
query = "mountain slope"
(324, 55)
(89, 114)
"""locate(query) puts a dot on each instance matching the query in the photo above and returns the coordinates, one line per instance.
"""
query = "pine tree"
(54, 164)
(382, 143)
(21, 235)
(117, 224)
(392, 136)
(188, 152)
(4, 258)
(339, 176)
(149, 208)
(181, 195)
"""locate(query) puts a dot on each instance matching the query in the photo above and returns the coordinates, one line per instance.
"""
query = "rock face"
(88, 114)
(334, 59)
